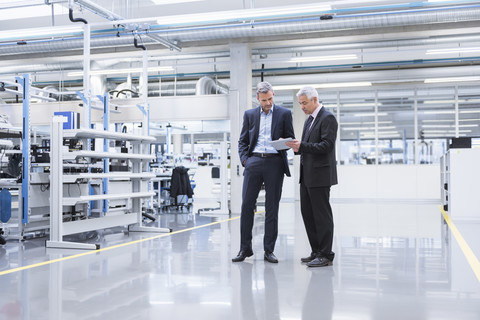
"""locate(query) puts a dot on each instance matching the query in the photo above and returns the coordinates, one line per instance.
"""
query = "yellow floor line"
(471, 258)
(110, 248)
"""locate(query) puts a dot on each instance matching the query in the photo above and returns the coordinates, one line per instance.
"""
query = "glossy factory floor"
(393, 261)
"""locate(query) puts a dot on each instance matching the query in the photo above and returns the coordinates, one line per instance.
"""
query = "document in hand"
(280, 144)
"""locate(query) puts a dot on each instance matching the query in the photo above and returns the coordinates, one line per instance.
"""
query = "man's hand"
(294, 144)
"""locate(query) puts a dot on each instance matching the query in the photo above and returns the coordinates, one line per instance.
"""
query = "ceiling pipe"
(260, 29)
(434, 40)
(98, 10)
(207, 85)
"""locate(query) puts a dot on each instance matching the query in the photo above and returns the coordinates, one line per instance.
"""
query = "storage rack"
(32, 204)
(89, 222)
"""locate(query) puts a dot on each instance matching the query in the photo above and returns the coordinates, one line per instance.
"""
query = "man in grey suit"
(263, 165)
(318, 172)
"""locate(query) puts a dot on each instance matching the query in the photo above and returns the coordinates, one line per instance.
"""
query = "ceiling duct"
(207, 85)
(374, 21)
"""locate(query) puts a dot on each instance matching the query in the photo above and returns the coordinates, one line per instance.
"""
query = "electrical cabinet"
(460, 174)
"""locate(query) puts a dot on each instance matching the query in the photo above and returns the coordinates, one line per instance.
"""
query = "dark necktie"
(306, 133)
(308, 125)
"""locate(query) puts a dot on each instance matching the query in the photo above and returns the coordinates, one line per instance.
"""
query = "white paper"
(280, 144)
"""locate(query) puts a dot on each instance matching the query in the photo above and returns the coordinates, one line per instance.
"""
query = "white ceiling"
(392, 58)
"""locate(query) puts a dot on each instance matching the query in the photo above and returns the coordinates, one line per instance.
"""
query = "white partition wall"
(408, 182)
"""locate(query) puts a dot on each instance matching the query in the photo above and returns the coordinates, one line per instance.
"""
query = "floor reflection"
(393, 261)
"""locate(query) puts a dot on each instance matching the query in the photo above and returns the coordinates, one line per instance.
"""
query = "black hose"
(125, 90)
(70, 15)
(135, 43)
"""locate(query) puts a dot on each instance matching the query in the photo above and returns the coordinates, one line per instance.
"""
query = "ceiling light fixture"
(380, 114)
(323, 86)
(451, 101)
(365, 123)
(449, 126)
(162, 2)
(452, 79)
(120, 71)
(32, 33)
(368, 128)
(243, 15)
(455, 50)
(439, 112)
(470, 111)
(323, 58)
(359, 104)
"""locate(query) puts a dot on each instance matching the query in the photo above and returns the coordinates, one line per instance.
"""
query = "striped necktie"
(306, 133)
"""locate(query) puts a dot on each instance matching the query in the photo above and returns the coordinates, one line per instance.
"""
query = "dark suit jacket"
(319, 167)
(282, 127)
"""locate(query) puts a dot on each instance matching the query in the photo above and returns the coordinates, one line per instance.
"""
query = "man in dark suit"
(318, 172)
(263, 165)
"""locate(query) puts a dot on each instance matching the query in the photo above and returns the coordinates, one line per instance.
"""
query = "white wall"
(417, 182)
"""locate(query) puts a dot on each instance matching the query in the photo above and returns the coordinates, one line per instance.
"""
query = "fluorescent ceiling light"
(451, 101)
(365, 123)
(437, 126)
(243, 15)
(449, 126)
(470, 111)
(452, 79)
(360, 104)
(369, 114)
(442, 135)
(162, 2)
(454, 50)
(24, 34)
(450, 111)
(324, 85)
(324, 58)
(367, 128)
(439, 112)
(446, 131)
(120, 71)
(345, 85)
(443, 120)
(381, 133)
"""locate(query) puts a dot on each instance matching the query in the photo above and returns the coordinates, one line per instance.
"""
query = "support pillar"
(240, 99)
(177, 141)
(298, 122)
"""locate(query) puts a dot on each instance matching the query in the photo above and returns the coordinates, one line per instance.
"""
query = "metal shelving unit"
(138, 175)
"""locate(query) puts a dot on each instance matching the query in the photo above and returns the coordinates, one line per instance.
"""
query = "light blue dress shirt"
(265, 133)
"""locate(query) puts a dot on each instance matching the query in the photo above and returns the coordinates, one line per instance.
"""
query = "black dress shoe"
(242, 255)
(309, 258)
(270, 257)
(319, 262)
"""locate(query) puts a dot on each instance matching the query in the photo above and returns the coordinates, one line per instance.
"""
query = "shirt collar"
(271, 110)
(316, 111)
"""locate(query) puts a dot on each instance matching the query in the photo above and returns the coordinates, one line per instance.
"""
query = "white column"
(240, 99)
(192, 146)
(298, 122)
(177, 144)
(86, 118)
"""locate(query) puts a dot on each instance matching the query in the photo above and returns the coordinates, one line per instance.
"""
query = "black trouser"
(269, 171)
(318, 219)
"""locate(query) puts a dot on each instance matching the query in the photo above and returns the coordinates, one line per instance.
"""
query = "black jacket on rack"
(180, 184)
